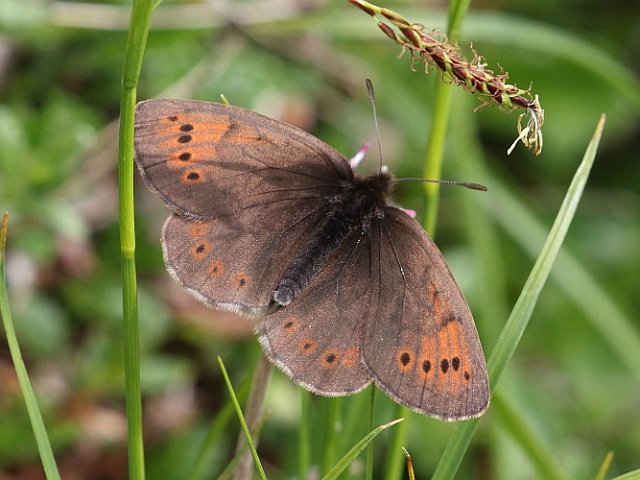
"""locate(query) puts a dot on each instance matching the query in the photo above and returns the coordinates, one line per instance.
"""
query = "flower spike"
(472, 75)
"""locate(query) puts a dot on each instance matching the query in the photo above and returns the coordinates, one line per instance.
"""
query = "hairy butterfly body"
(270, 222)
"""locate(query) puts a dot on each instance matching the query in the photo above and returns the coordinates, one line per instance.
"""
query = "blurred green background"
(574, 379)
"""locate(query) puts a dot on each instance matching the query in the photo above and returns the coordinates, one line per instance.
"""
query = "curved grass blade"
(35, 416)
(216, 430)
(243, 423)
(344, 462)
(604, 468)
(521, 313)
(634, 475)
(410, 471)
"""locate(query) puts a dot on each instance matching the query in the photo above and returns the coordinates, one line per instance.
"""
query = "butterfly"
(346, 289)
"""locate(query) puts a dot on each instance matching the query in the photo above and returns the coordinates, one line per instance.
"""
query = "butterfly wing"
(317, 339)
(225, 265)
(247, 191)
(385, 307)
(210, 160)
(421, 344)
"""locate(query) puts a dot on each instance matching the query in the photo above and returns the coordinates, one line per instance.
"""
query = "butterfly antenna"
(372, 98)
(469, 185)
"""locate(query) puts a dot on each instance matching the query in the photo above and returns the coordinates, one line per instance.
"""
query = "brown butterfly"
(272, 223)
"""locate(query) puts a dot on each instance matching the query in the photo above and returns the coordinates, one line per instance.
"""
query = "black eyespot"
(405, 358)
(444, 365)
(455, 363)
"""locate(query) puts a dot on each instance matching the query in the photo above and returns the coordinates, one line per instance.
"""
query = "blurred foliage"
(305, 62)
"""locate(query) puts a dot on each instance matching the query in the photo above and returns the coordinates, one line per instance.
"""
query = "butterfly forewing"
(207, 159)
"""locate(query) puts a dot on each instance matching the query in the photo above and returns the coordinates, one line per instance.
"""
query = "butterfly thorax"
(351, 209)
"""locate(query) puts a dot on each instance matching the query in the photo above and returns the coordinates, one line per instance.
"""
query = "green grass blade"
(432, 169)
(433, 159)
(604, 467)
(254, 412)
(216, 430)
(344, 462)
(136, 41)
(613, 325)
(634, 475)
(243, 423)
(333, 432)
(231, 470)
(35, 416)
(304, 434)
(393, 468)
(437, 133)
(521, 313)
(369, 455)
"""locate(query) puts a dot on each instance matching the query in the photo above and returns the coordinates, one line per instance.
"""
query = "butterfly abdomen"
(350, 210)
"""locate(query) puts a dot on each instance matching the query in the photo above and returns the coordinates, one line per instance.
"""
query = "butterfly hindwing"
(421, 345)
(226, 265)
(317, 339)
